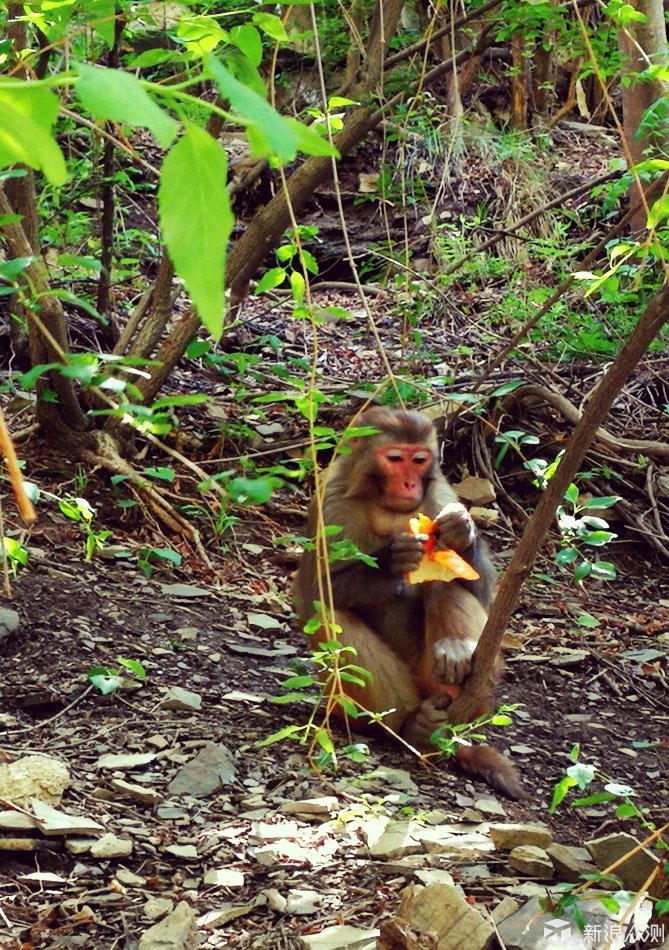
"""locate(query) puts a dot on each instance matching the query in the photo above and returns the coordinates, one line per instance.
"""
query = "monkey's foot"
(425, 719)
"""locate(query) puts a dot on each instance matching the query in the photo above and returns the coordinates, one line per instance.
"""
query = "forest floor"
(227, 634)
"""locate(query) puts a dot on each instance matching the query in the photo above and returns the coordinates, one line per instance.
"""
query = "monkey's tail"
(496, 771)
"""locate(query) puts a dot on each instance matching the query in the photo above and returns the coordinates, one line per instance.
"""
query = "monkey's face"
(404, 472)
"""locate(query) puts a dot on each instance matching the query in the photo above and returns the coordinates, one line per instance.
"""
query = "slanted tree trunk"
(476, 693)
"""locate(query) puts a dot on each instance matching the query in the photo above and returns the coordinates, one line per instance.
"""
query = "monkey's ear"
(354, 435)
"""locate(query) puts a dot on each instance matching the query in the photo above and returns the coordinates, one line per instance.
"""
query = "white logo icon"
(557, 931)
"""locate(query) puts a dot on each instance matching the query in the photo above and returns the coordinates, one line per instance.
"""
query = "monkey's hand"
(402, 554)
(423, 721)
(455, 528)
(453, 660)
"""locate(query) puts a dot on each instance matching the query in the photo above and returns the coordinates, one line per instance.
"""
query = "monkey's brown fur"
(415, 641)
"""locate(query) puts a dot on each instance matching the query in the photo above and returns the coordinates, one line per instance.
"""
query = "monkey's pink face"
(404, 471)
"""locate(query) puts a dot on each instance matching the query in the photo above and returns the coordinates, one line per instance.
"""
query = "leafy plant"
(78, 509)
(16, 554)
(110, 680)
(578, 529)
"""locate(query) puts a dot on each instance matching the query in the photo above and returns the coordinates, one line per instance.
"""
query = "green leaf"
(581, 773)
(106, 683)
(582, 571)
(289, 698)
(560, 791)
(252, 491)
(247, 39)
(101, 15)
(349, 707)
(195, 215)
(566, 556)
(194, 399)
(309, 141)
(288, 732)
(325, 741)
(604, 570)
(134, 666)
(162, 473)
(274, 134)
(118, 96)
(597, 799)
(501, 721)
(606, 501)
(299, 682)
(588, 621)
(272, 278)
(571, 494)
(197, 348)
(28, 113)
(271, 25)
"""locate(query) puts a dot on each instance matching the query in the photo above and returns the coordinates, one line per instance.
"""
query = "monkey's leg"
(454, 621)
(391, 686)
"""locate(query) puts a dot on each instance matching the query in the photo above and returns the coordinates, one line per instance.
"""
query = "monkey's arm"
(357, 586)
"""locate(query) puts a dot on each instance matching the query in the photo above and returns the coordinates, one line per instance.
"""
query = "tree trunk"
(643, 45)
(476, 692)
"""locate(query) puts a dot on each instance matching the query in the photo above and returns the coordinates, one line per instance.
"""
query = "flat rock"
(507, 836)
(111, 846)
(477, 491)
(178, 931)
(178, 698)
(9, 622)
(532, 861)
(124, 760)
(635, 871)
(211, 769)
(34, 776)
(187, 852)
(438, 912)
(156, 907)
(570, 862)
(341, 937)
(140, 793)
(532, 928)
(54, 822)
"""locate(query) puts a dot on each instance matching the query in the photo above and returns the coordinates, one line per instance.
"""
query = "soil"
(226, 632)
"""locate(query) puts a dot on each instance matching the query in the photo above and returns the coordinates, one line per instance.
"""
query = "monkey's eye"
(394, 456)
(420, 458)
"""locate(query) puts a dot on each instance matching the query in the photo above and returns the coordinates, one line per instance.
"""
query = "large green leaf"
(28, 113)
(273, 133)
(113, 94)
(196, 220)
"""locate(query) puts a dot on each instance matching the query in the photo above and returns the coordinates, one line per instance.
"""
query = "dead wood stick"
(572, 414)
(477, 689)
(24, 504)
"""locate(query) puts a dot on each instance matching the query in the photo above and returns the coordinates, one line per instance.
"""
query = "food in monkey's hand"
(436, 565)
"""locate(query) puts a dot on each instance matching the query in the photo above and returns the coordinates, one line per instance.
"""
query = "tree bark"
(642, 45)
(477, 690)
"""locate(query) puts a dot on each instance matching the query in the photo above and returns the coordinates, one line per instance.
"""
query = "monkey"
(417, 640)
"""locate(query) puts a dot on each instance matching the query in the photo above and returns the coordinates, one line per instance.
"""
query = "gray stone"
(532, 861)
(570, 862)
(110, 846)
(507, 836)
(9, 622)
(211, 769)
(178, 931)
(635, 871)
(440, 912)
(179, 698)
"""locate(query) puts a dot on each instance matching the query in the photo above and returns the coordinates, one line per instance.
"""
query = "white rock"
(178, 931)
(34, 776)
(54, 822)
(110, 846)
